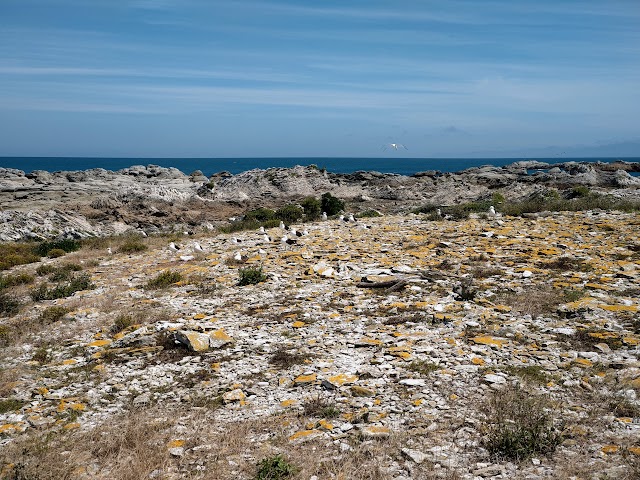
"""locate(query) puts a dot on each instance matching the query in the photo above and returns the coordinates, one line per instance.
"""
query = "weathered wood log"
(400, 284)
(388, 284)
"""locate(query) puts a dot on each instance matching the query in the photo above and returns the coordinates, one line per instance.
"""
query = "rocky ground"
(155, 199)
(504, 347)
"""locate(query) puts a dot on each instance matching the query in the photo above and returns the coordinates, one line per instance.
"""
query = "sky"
(324, 78)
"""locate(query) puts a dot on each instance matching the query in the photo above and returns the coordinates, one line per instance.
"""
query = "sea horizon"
(211, 165)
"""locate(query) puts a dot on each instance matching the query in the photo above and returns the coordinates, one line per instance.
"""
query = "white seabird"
(173, 247)
(492, 210)
(393, 146)
(324, 215)
(351, 218)
(186, 258)
(198, 248)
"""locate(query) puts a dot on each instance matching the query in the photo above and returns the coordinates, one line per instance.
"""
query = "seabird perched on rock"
(261, 229)
(198, 248)
(109, 251)
(288, 241)
(341, 217)
(173, 247)
(267, 238)
(492, 210)
(186, 258)
(351, 218)
(238, 257)
(324, 215)
(236, 240)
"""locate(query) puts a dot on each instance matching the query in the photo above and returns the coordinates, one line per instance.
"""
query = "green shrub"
(579, 191)
(43, 270)
(132, 245)
(11, 405)
(260, 215)
(369, 214)
(12, 254)
(74, 284)
(56, 253)
(289, 213)
(15, 279)
(251, 276)
(312, 207)
(275, 468)
(330, 204)
(53, 314)
(164, 279)
(520, 425)
(41, 355)
(6, 336)
(9, 305)
(497, 198)
(67, 245)
(64, 272)
(123, 321)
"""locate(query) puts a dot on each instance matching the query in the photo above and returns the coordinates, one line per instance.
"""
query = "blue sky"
(215, 78)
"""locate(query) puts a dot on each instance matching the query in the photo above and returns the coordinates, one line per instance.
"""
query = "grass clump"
(320, 408)
(132, 245)
(275, 468)
(520, 425)
(283, 358)
(251, 276)
(11, 405)
(72, 285)
(121, 322)
(164, 279)
(530, 373)
(422, 367)
(53, 314)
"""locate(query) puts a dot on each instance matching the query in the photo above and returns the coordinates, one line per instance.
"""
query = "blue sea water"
(209, 166)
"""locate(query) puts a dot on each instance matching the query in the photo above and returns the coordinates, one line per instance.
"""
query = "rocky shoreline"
(153, 199)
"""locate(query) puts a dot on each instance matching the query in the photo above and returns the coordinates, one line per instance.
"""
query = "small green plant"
(330, 204)
(6, 336)
(369, 214)
(579, 191)
(121, 322)
(284, 358)
(9, 305)
(11, 405)
(422, 367)
(531, 373)
(132, 245)
(275, 468)
(320, 408)
(41, 355)
(52, 314)
(64, 272)
(164, 279)
(520, 425)
(497, 198)
(251, 276)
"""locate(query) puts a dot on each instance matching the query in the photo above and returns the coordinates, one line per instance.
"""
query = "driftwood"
(390, 286)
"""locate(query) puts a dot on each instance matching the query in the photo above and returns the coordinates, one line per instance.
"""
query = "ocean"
(209, 166)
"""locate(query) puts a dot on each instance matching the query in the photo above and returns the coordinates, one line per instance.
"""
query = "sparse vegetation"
(9, 304)
(132, 245)
(284, 358)
(12, 254)
(251, 276)
(44, 249)
(164, 279)
(520, 425)
(422, 367)
(52, 314)
(275, 468)
(7, 281)
(62, 290)
(320, 408)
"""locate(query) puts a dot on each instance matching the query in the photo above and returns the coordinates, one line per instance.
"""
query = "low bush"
(164, 279)
(9, 305)
(312, 208)
(67, 246)
(330, 204)
(290, 213)
(275, 468)
(74, 284)
(53, 314)
(7, 281)
(520, 425)
(121, 322)
(251, 276)
(56, 253)
(132, 245)
(12, 254)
